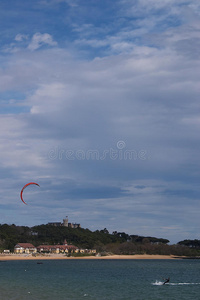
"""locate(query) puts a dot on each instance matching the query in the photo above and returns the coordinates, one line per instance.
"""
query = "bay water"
(99, 279)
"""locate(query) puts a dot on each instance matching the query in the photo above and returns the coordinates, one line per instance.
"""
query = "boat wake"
(175, 283)
(157, 283)
(185, 283)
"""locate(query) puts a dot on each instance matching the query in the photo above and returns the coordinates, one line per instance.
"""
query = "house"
(25, 248)
(57, 248)
(6, 251)
(88, 251)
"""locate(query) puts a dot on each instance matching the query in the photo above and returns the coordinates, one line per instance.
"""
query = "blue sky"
(99, 104)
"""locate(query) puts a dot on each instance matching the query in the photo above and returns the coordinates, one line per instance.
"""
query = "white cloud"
(39, 39)
(145, 92)
(20, 37)
(49, 98)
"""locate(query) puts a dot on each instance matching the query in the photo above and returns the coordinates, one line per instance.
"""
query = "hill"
(101, 240)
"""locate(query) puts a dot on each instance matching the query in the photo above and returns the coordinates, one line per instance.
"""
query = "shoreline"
(4, 257)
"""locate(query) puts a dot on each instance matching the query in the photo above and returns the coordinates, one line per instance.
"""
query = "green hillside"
(101, 240)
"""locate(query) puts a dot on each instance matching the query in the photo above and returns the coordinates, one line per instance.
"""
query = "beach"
(63, 256)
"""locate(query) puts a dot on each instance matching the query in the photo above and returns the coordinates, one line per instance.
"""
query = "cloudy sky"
(99, 104)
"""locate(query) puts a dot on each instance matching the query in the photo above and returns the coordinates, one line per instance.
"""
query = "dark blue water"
(100, 279)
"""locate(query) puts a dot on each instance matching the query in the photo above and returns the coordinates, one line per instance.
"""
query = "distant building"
(6, 251)
(25, 248)
(65, 224)
(57, 249)
(56, 224)
(28, 248)
(88, 251)
(34, 233)
(74, 225)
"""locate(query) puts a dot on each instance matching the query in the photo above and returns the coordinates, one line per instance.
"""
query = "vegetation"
(191, 243)
(101, 240)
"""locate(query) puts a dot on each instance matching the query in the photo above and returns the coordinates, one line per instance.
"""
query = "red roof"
(24, 245)
(64, 247)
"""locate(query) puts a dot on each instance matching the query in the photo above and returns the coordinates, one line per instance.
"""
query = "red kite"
(24, 188)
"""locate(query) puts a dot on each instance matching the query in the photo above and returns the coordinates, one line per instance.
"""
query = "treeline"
(10, 235)
(101, 240)
(191, 243)
(130, 248)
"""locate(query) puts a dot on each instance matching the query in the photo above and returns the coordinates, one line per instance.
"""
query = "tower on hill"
(65, 222)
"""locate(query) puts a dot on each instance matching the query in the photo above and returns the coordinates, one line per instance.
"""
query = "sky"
(99, 104)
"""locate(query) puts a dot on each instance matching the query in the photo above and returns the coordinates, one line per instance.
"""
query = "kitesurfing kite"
(24, 188)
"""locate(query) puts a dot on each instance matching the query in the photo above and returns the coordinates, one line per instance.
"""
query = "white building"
(25, 248)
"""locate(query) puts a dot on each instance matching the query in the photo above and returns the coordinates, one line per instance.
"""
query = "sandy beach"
(61, 256)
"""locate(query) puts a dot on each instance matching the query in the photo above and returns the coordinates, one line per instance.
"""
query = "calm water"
(100, 279)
